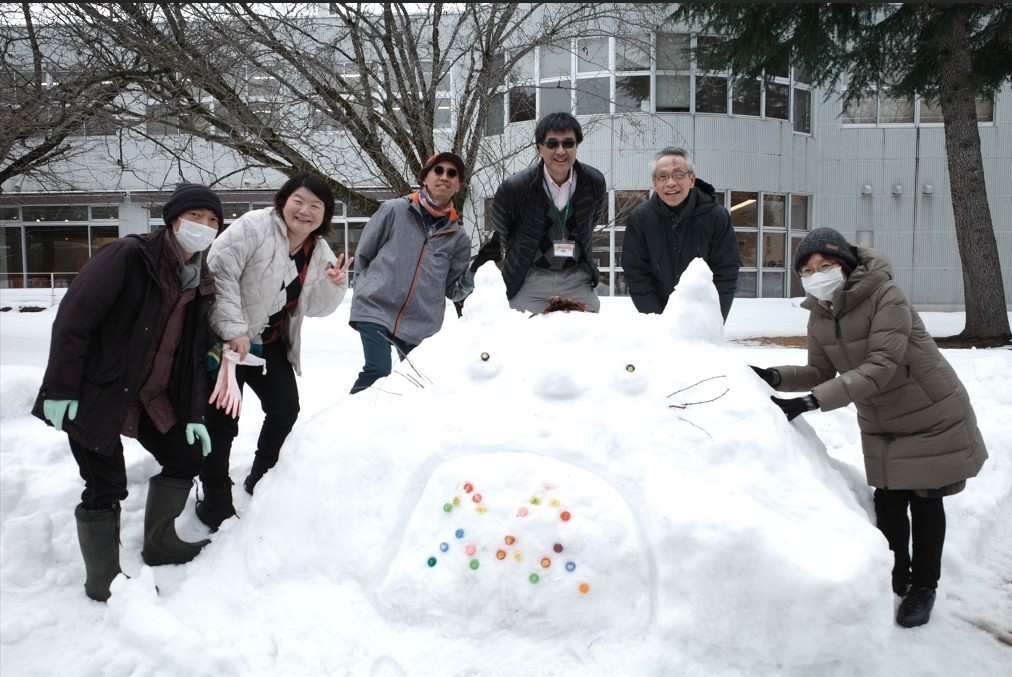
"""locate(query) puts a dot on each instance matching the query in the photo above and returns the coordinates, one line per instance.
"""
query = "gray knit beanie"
(827, 242)
(190, 196)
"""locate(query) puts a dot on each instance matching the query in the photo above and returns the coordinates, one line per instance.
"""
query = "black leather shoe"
(915, 609)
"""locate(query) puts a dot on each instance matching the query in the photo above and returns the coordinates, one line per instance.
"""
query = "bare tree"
(362, 95)
(56, 101)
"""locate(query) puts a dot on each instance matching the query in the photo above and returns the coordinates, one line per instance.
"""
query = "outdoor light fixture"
(928, 189)
(866, 189)
(897, 189)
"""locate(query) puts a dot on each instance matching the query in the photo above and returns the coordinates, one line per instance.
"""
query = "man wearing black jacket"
(680, 222)
(545, 217)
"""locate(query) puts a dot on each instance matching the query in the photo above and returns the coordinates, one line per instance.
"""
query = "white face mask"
(195, 237)
(823, 285)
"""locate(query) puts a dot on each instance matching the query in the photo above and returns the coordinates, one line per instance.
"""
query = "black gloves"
(796, 406)
(771, 376)
(490, 251)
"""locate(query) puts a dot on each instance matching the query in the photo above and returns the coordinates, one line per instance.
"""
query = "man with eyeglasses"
(680, 222)
(545, 216)
(413, 255)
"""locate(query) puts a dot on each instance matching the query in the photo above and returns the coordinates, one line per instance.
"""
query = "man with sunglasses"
(680, 222)
(413, 255)
(545, 216)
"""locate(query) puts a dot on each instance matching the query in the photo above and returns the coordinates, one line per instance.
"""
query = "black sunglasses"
(450, 171)
(552, 144)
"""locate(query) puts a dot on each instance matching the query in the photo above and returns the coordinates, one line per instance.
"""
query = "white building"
(785, 159)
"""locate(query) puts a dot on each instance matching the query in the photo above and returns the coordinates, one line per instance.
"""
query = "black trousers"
(926, 524)
(279, 398)
(105, 478)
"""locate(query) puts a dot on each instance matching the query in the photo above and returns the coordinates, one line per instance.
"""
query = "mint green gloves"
(199, 431)
(55, 410)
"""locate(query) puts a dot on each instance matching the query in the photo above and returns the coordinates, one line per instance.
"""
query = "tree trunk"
(983, 290)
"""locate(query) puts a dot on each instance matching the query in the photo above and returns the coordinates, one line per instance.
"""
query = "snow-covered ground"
(569, 494)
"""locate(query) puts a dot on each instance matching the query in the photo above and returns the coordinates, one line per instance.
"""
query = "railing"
(26, 283)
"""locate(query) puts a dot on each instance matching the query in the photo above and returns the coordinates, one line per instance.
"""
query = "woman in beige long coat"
(867, 345)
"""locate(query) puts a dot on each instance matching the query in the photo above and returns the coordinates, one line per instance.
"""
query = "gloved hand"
(199, 431)
(54, 411)
(771, 376)
(490, 251)
(796, 406)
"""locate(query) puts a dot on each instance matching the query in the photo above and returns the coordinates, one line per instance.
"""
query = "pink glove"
(226, 394)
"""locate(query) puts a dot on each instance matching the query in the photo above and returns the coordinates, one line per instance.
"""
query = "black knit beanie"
(827, 242)
(192, 196)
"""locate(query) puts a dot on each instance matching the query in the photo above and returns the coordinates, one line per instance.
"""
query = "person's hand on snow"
(771, 376)
(55, 410)
(796, 406)
(338, 273)
(199, 431)
(490, 251)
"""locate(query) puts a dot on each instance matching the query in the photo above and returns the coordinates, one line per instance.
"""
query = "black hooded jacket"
(657, 248)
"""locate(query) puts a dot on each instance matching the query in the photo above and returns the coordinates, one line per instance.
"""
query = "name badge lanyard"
(563, 218)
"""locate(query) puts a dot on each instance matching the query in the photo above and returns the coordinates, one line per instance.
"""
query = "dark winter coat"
(521, 210)
(102, 336)
(657, 248)
(918, 429)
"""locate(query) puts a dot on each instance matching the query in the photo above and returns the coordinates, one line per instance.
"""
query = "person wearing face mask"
(272, 268)
(126, 358)
(413, 256)
(868, 347)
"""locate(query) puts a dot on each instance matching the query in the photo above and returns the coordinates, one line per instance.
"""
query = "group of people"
(132, 339)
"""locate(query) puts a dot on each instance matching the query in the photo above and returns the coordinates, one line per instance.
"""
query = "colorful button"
(522, 512)
(444, 546)
(476, 498)
(557, 547)
(468, 487)
(630, 368)
(447, 507)
(518, 556)
(459, 533)
(534, 578)
(470, 549)
(500, 554)
(510, 540)
(555, 503)
(432, 561)
(570, 566)
(474, 564)
(545, 562)
(456, 500)
(565, 515)
(535, 500)
(484, 357)
(584, 588)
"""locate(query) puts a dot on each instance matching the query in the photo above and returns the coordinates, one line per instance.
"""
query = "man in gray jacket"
(413, 255)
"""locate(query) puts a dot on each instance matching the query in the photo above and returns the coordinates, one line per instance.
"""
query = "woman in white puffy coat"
(272, 268)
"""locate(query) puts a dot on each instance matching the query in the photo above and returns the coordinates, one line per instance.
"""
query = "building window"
(765, 228)
(884, 110)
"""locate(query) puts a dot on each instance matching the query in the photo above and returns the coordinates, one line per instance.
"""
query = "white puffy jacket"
(251, 267)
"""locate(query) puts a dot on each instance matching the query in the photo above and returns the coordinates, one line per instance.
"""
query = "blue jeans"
(376, 341)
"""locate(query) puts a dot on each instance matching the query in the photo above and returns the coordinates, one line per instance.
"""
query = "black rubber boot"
(166, 500)
(98, 534)
(216, 506)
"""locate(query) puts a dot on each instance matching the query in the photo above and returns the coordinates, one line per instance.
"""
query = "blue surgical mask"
(823, 285)
(195, 237)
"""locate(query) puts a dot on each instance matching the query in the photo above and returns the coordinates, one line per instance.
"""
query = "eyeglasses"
(552, 144)
(450, 171)
(823, 267)
(677, 176)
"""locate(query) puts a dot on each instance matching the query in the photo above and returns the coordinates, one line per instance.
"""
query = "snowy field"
(569, 494)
